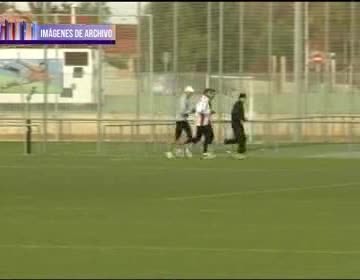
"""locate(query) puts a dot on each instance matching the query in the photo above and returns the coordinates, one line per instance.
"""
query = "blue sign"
(33, 33)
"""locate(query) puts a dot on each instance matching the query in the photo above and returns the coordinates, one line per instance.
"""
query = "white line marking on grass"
(159, 168)
(33, 208)
(211, 211)
(216, 195)
(236, 169)
(340, 155)
(177, 249)
(47, 166)
(119, 159)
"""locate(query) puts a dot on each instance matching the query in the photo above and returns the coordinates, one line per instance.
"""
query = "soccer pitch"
(278, 214)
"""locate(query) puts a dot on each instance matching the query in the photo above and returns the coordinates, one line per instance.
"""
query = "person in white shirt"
(203, 122)
(182, 124)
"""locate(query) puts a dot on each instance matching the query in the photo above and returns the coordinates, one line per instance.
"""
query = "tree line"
(193, 36)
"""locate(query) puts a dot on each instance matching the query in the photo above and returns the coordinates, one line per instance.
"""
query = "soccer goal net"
(229, 87)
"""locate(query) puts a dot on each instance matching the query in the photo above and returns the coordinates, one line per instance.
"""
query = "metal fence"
(296, 60)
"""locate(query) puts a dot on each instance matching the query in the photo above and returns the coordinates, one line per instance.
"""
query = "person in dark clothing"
(237, 119)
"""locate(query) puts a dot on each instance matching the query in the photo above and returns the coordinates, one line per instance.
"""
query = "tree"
(89, 8)
(192, 34)
(93, 8)
(193, 37)
(4, 6)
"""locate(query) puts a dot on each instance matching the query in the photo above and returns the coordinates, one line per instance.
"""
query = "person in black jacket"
(237, 120)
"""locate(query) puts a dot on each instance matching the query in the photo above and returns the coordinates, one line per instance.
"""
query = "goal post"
(232, 86)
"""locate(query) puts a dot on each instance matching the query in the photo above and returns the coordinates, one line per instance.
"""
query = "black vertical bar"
(28, 136)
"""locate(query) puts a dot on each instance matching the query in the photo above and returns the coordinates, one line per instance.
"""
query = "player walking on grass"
(237, 125)
(182, 124)
(203, 122)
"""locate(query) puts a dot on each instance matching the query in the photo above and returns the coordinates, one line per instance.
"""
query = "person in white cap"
(182, 124)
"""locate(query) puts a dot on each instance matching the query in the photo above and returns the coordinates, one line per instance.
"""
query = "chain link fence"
(298, 63)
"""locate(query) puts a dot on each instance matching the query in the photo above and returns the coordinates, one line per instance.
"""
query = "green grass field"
(277, 214)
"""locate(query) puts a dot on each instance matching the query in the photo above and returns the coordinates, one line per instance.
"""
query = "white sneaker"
(239, 156)
(208, 156)
(179, 153)
(188, 153)
(169, 155)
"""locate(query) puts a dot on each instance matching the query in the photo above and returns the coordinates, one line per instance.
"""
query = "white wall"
(83, 92)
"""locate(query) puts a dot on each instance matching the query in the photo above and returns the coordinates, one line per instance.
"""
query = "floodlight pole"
(298, 61)
(138, 70)
(241, 37)
(175, 54)
(100, 90)
(151, 60)
(221, 74)
(306, 37)
(326, 88)
(73, 13)
(352, 64)
(46, 83)
(271, 64)
(208, 44)
(57, 95)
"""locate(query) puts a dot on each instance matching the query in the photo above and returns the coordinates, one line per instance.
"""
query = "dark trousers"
(239, 136)
(183, 126)
(206, 131)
